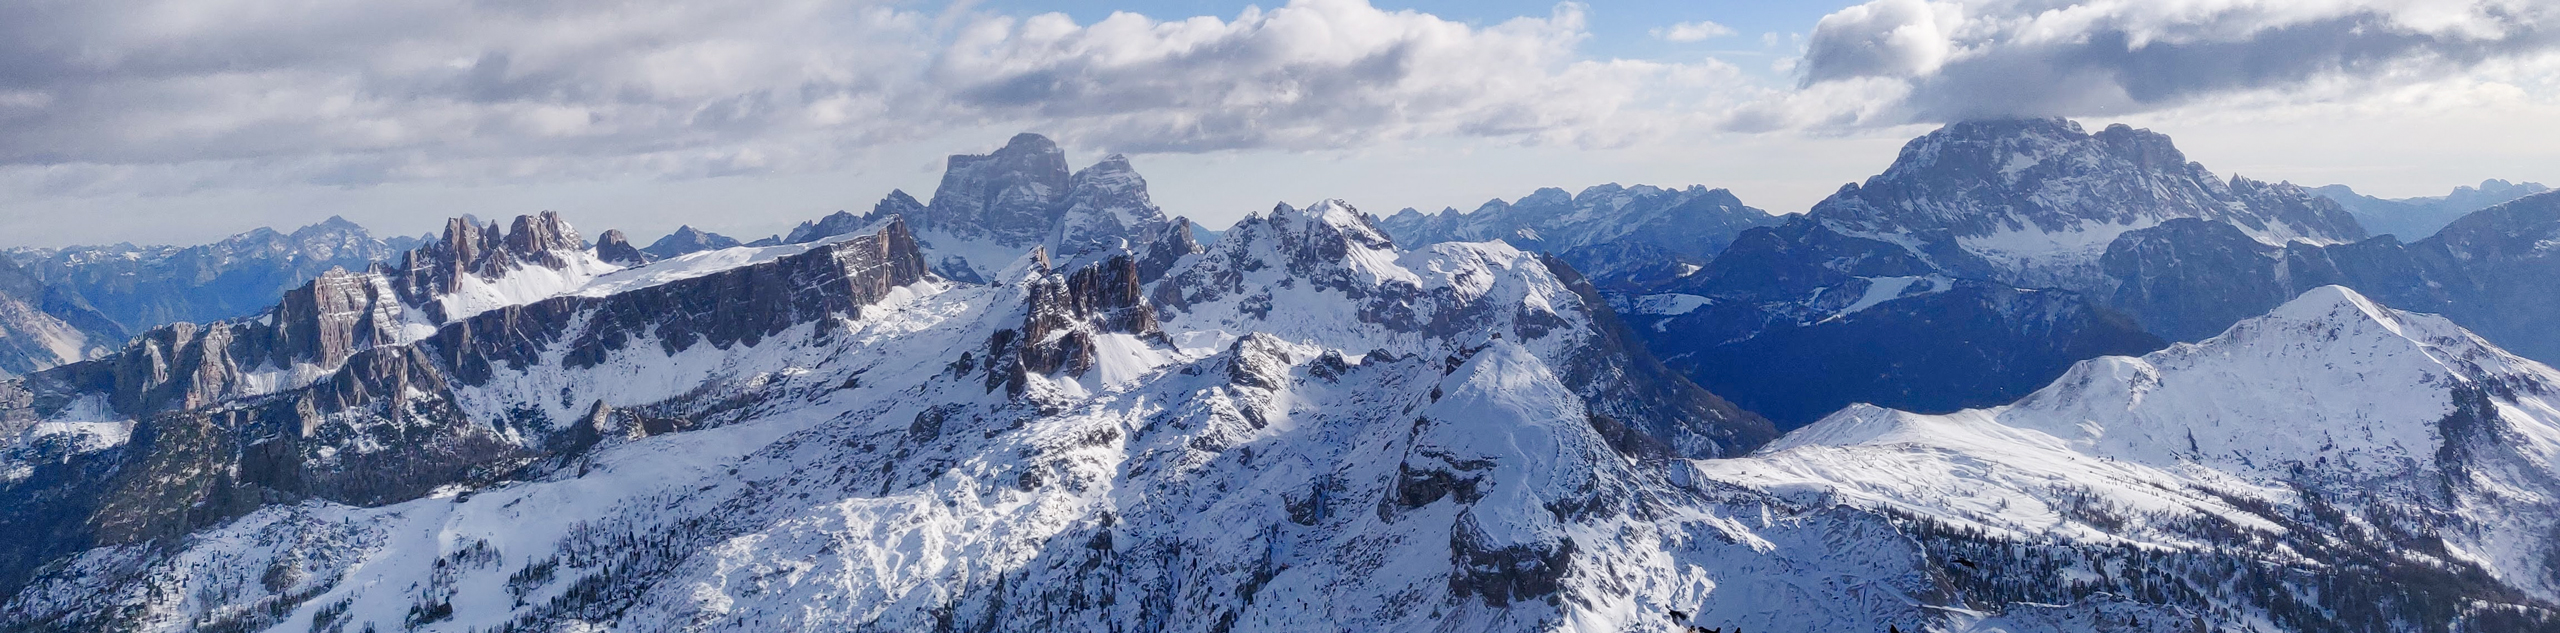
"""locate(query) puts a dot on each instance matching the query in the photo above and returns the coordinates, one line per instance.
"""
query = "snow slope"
(2295, 438)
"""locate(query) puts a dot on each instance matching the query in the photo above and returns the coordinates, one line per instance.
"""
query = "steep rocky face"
(314, 330)
(1009, 196)
(141, 287)
(2392, 460)
(615, 249)
(990, 209)
(2413, 219)
(2033, 203)
(1065, 316)
(325, 399)
(472, 267)
(1107, 212)
(685, 240)
(1620, 237)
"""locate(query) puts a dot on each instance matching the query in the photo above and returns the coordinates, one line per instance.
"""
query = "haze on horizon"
(170, 121)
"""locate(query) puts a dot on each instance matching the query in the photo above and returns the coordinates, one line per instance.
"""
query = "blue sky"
(180, 121)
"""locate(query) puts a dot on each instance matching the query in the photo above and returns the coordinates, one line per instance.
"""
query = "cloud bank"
(170, 95)
(1933, 61)
(180, 96)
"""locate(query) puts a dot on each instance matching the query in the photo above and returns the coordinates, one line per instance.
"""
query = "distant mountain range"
(1619, 237)
(2030, 378)
(2413, 219)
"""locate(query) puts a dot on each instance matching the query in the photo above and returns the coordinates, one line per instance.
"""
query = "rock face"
(615, 249)
(1618, 237)
(142, 287)
(990, 209)
(333, 396)
(2312, 446)
(685, 240)
(2412, 219)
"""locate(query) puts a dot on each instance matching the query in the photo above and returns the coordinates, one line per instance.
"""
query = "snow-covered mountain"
(2034, 202)
(2413, 219)
(1303, 426)
(1619, 237)
(1315, 428)
(992, 208)
(42, 326)
(1973, 270)
(141, 287)
(2332, 465)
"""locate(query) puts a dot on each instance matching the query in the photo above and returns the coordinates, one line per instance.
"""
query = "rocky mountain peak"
(687, 239)
(991, 208)
(1107, 211)
(1007, 194)
(470, 256)
(833, 224)
(615, 249)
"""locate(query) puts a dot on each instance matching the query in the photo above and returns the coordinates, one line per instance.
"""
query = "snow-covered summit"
(2330, 424)
(2034, 202)
(2330, 380)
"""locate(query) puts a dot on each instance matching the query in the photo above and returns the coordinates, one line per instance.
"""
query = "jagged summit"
(1620, 236)
(991, 208)
(473, 268)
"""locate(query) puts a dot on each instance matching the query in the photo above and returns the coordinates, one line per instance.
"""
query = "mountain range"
(2412, 219)
(2029, 379)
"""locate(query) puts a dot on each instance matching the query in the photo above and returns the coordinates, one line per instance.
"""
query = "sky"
(180, 121)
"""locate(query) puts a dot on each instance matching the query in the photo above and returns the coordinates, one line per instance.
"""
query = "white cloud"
(169, 95)
(1692, 31)
(1313, 74)
(1977, 58)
